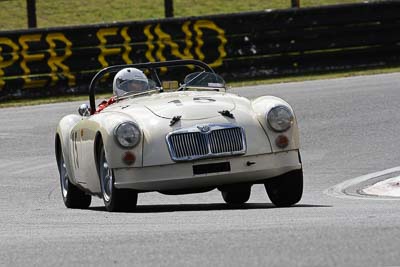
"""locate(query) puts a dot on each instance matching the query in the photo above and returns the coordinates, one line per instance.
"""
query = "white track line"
(338, 190)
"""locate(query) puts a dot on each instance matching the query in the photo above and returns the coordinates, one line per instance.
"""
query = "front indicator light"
(282, 141)
(129, 158)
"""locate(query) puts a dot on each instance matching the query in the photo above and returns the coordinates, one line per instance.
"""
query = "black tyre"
(73, 197)
(236, 195)
(285, 190)
(114, 199)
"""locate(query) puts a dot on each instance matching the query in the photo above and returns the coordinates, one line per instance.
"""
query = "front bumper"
(180, 175)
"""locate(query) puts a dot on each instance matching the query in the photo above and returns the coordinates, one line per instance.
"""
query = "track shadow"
(207, 207)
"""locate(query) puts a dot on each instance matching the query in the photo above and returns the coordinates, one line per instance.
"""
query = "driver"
(126, 81)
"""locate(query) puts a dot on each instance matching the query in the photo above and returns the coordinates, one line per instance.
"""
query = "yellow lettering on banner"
(3, 63)
(28, 57)
(161, 46)
(165, 39)
(198, 25)
(56, 61)
(149, 43)
(161, 37)
(188, 38)
(105, 51)
(127, 46)
(151, 46)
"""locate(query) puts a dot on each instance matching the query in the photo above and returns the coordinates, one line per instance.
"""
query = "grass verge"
(77, 12)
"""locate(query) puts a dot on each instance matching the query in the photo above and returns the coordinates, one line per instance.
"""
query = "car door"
(83, 137)
(76, 151)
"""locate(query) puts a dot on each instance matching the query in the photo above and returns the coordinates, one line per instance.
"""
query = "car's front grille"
(226, 140)
(216, 141)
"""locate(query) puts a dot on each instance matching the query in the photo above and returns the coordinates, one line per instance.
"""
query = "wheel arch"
(62, 141)
(98, 142)
(57, 149)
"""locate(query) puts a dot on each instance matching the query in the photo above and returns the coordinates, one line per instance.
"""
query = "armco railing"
(239, 46)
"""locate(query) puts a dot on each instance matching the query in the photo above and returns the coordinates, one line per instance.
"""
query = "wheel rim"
(64, 179)
(107, 179)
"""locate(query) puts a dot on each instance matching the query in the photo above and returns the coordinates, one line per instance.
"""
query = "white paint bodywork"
(154, 169)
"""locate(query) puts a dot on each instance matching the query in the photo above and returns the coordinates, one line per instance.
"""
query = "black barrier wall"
(239, 46)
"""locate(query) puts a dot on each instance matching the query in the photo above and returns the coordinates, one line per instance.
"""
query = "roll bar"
(148, 65)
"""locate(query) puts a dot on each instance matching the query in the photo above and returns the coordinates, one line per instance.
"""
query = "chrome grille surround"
(206, 141)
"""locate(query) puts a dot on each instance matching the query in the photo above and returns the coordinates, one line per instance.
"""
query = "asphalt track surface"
(349, 127)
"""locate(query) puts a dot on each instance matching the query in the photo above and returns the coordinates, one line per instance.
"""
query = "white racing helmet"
(130, 80)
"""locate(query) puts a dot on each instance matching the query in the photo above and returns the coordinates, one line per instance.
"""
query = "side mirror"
(84, 110)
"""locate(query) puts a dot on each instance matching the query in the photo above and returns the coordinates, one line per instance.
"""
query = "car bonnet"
(189, 105)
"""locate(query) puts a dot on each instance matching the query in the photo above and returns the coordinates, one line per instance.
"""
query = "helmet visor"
(131, 86)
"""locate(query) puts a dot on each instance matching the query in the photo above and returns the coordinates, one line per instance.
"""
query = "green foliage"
(75, 12)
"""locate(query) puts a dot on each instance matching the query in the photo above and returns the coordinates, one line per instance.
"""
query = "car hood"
(189, 105)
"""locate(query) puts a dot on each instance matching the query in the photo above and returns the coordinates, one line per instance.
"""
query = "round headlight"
(280, 118)
(127, 134)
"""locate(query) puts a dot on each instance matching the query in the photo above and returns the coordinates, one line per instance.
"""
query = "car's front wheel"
(236, 195)
(285, 190)
(114, 199)
(73, 197)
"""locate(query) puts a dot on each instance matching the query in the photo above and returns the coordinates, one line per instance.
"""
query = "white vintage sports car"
(178, 138)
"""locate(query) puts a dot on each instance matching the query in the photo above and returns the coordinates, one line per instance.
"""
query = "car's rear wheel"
(73, 197)
(285, 190)
(236, 195)
(114, 199)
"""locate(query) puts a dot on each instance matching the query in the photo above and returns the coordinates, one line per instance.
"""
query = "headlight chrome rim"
(273, 121)
(121, 140)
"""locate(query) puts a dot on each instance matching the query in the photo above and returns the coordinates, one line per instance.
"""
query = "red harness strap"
(105, 104)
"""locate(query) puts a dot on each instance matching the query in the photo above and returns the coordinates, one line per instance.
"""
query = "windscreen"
(204, 80)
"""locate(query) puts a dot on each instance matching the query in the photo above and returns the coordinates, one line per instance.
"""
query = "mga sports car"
(178, 137)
